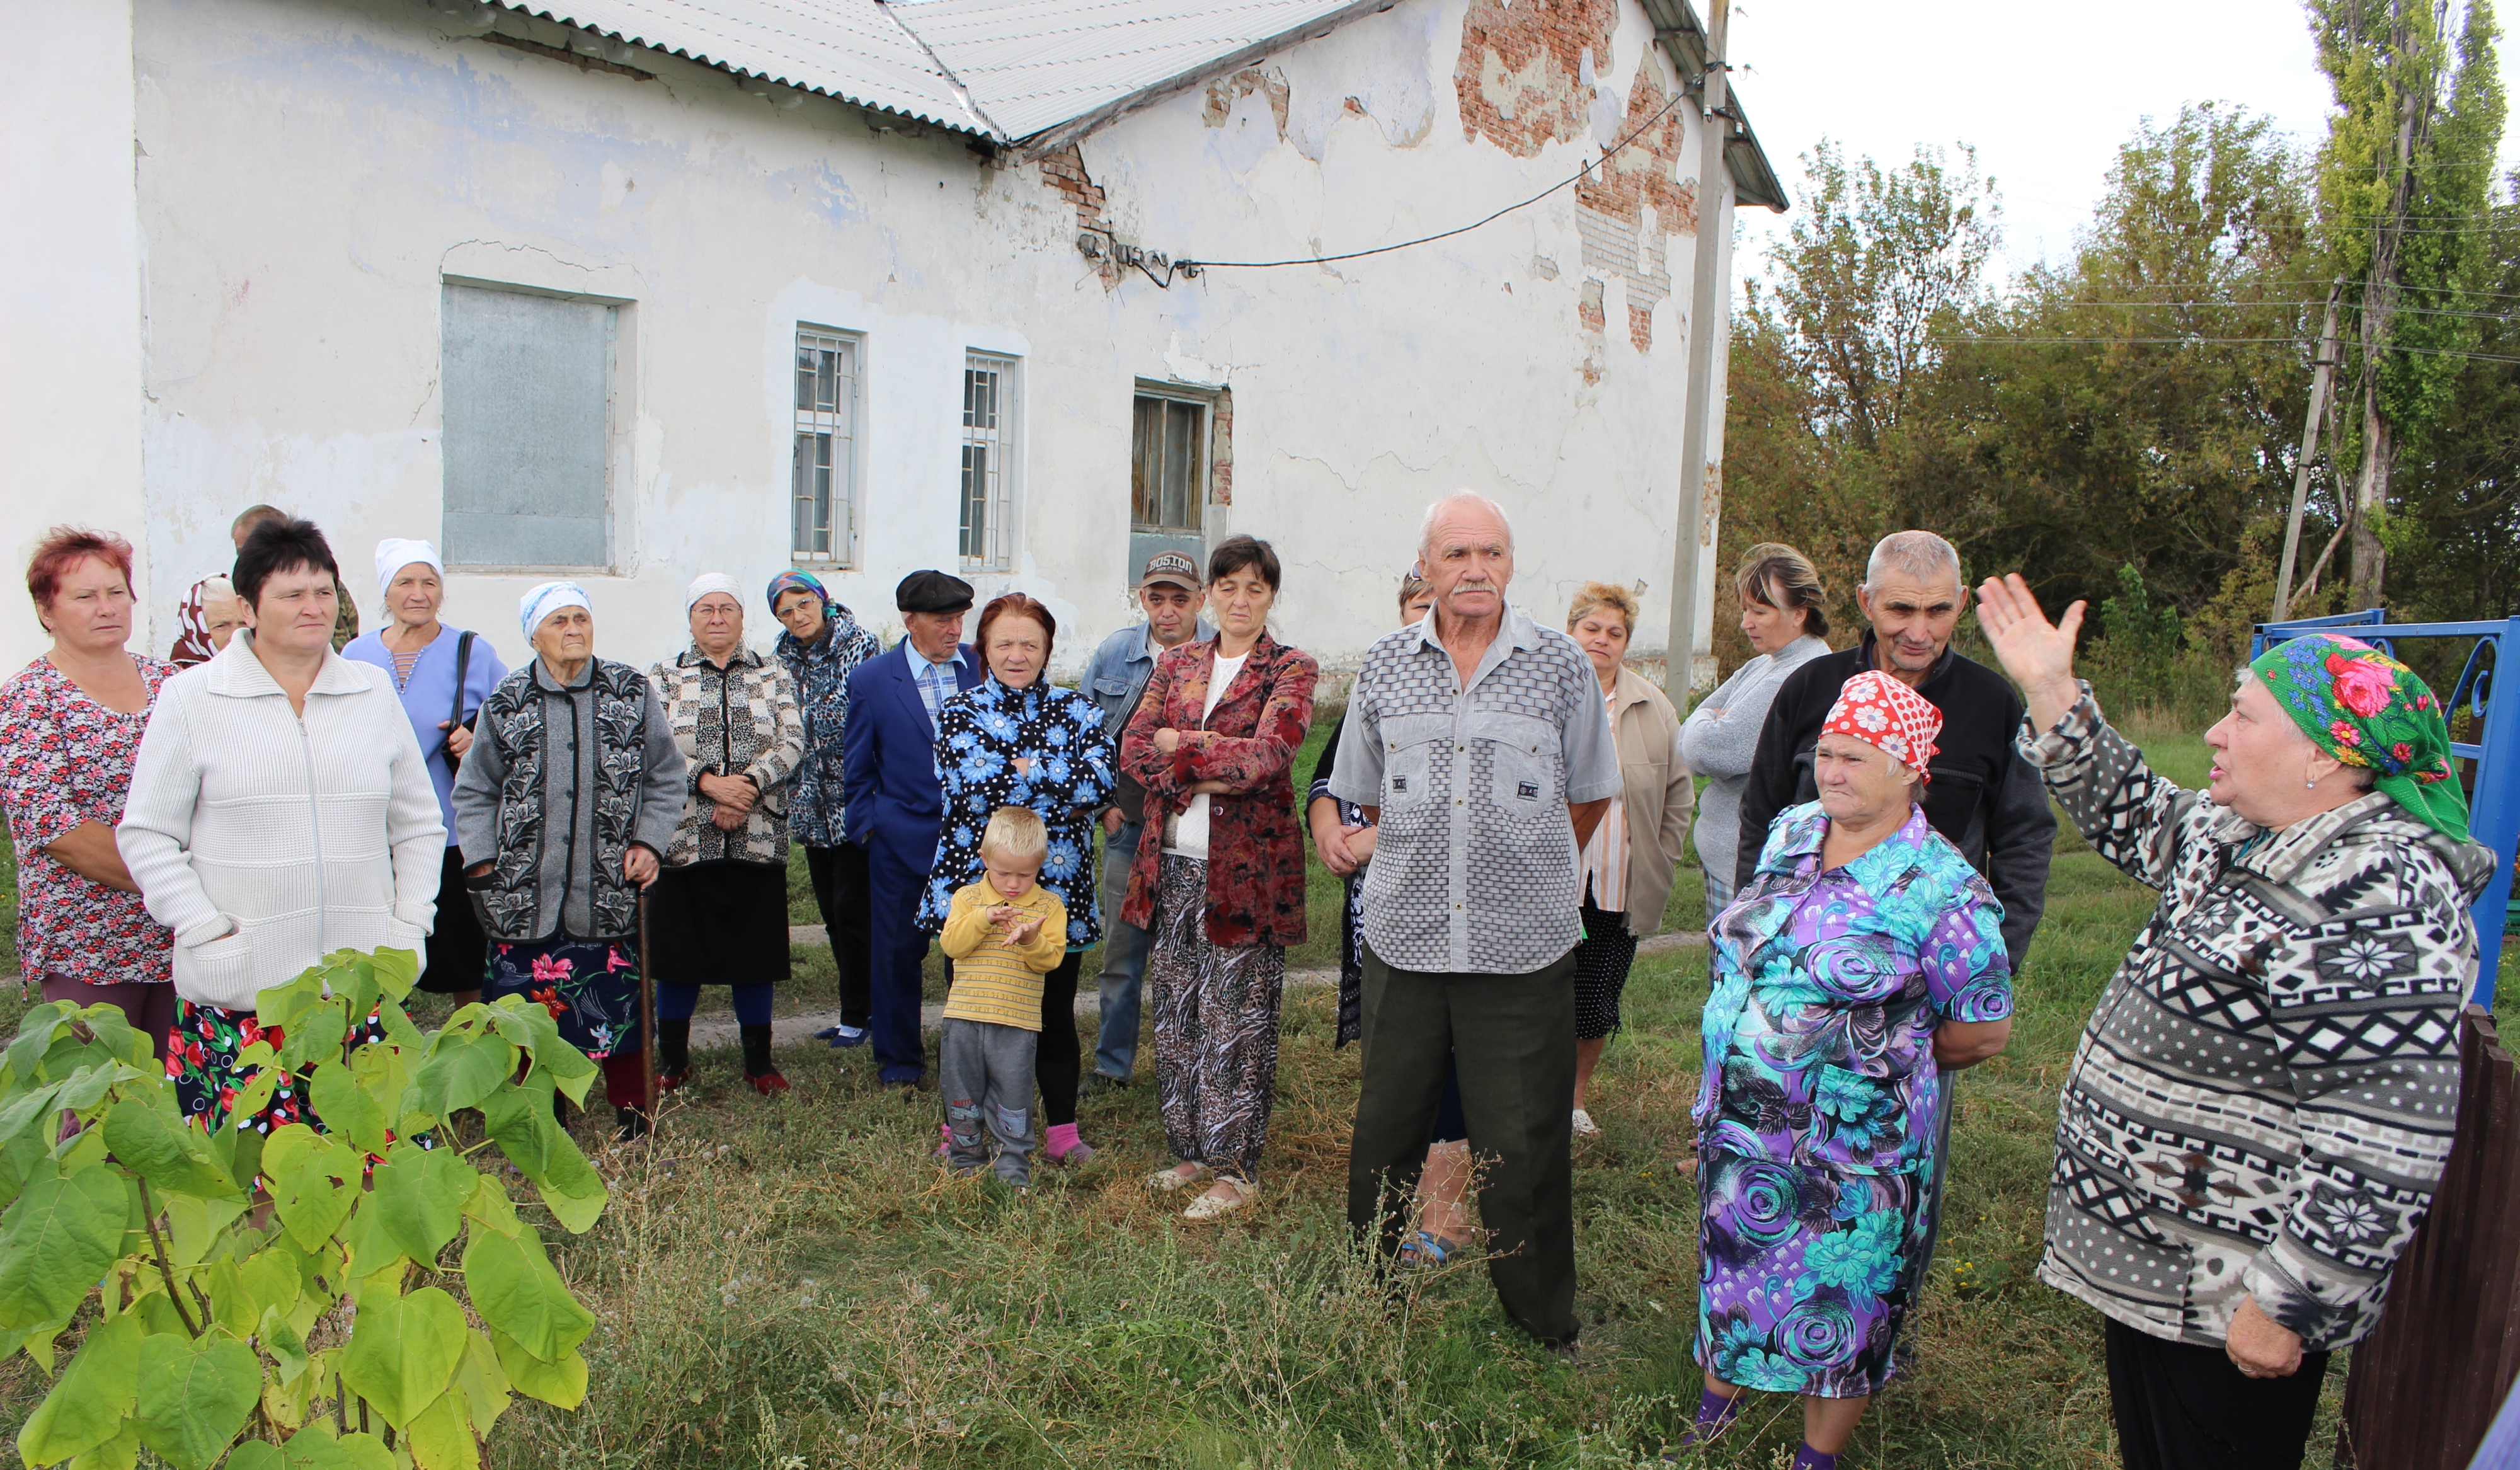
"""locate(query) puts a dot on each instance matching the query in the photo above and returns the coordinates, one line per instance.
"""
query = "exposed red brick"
(1645, 172)
(1226, 91)
(1536, 48)
(1220, 450)
(1064, 172)
(1588, 308)
(1640, 328)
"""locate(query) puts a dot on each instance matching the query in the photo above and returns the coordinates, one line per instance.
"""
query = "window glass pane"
(1181, 452)
(527, 385)
(1144, 447)
(822, 487)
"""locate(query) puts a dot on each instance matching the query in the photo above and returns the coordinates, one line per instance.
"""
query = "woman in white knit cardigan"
(280, 809)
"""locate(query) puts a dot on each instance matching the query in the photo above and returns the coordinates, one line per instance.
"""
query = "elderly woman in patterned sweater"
(720, 911)
(565, 807)
(822, 643)
(2265, 1097)
(1222, 893)
(1014, 739)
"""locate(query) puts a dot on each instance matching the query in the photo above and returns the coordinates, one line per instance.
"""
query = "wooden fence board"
(2426, 1384)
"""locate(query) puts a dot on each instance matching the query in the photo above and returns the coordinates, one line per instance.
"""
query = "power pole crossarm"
(1710, 291)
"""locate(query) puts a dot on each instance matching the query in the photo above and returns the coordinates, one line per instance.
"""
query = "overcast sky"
(2047, 92)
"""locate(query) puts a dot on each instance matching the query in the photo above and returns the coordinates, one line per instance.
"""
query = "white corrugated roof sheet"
(1010, 69)
(846, 48)
(1032, 65)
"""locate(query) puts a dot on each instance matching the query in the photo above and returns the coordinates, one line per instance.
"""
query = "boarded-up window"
(1168, 463)
(823, 487)
(528, 386)
(988, 436)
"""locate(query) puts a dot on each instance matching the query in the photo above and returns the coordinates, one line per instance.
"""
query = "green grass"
(793, 1284)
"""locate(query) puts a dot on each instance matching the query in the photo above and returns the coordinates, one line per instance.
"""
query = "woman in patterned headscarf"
(1863, 959)
(2263, 1098)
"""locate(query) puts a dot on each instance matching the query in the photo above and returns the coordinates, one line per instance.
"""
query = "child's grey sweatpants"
(985, 1072)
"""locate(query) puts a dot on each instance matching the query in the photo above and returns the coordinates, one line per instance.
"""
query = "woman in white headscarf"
(564, 806)
(443, 674)
(720, 914)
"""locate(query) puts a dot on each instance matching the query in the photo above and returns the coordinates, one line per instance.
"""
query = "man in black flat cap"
(891, 803)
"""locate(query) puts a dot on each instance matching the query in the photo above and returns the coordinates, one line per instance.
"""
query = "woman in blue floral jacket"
(1015, 741)
(1863, 959)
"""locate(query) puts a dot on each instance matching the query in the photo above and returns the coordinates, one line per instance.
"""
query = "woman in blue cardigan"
(442, 674)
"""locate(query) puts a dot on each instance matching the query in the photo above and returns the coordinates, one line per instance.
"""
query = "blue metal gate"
(2494, 803)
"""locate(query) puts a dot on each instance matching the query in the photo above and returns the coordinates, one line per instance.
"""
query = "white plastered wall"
(312, 170)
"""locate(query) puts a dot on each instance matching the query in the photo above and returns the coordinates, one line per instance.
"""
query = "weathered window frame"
(830, 428)
(992, 451)
(1149, 511)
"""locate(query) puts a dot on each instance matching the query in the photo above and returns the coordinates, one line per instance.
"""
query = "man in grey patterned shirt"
(1477, 745)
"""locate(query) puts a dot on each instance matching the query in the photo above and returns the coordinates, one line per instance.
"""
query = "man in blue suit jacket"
(892, 800)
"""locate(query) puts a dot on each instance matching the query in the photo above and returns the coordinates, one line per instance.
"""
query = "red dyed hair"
(65, 546)
(1016, 605)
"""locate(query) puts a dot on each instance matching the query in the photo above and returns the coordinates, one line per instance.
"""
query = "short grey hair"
(1459, 500)
(1920, 554)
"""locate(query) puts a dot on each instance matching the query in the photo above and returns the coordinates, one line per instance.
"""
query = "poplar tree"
(2404, 183)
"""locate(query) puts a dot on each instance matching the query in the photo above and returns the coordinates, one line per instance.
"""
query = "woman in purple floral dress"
(1863, 959)
(69, 728)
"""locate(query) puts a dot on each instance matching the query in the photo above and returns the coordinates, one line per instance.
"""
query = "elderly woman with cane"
(565, 807)
(2265, 1097)
(721, 906)
(1863, 961)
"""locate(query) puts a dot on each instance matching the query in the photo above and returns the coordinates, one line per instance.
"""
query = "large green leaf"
(22, 1062)
(521, 1123)
(515, 1288)
(55, 1241)
(152, 1144)
(553, 1054)
(415, 1206)
(313, 1185)
(403, 1352)
(195, 1396)
(347, 1107)
(21, 1159)
(462, 1071)
(441, 1436)
(192, 1223)
(122, 1453)
(397, 971)
(91, 1398)
(316, 1035)
(315, 1449)
(482, 1382)
(254, 1454)
(562, 1384)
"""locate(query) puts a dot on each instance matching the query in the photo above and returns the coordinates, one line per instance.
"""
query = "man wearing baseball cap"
(1117, 679)
(891, 803)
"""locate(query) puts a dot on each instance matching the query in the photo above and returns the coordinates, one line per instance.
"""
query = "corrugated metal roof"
(1032, 65)
(1018, 69)
(845, 48)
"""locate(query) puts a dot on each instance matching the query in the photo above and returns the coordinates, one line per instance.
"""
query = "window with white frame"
(527, 428)
(1168, 462)
(988, 462)
(823, 487)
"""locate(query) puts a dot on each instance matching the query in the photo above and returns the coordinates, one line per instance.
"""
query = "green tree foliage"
(2132, 411)
(182, 1289)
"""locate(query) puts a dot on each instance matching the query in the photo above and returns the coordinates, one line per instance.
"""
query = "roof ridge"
(962, 93)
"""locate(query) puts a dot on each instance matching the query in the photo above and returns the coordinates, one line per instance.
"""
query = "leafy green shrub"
(292, 1288)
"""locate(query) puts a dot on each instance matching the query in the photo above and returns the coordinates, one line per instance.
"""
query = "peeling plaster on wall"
(1526, 75)
(1223, 92)
(1064, 172)
(1630, 207)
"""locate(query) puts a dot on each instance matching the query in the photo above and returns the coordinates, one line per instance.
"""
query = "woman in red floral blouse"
(1223, 893)
(70, 726)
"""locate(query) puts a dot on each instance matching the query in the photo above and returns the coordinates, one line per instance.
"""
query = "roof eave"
(1051, 140)
(1684, 37)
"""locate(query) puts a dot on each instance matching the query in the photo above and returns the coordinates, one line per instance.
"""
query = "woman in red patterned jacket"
(1214, 742)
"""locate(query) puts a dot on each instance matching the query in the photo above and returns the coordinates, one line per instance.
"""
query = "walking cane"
(646, 1013)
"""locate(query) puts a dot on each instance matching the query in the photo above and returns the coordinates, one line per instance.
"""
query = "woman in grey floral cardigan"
(2263, 1099)
(720, 913)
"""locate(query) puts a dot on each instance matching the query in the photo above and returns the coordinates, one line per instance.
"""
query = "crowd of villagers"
(2248, 1134)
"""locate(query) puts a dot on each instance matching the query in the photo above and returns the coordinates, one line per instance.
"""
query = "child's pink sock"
(1059, 1139)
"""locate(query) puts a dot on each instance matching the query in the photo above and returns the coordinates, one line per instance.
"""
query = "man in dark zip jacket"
(1983, 795)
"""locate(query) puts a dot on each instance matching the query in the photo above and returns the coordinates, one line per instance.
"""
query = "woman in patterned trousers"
(1214, 744)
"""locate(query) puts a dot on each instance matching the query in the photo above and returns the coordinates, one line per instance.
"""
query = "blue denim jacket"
(1115, 680)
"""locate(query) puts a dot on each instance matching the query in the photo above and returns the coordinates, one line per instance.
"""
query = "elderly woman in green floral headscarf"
(2263, 1098)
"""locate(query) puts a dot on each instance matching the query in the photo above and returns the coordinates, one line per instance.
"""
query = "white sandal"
(1209, 1206)
(1583, 1125)
(1171, 1180)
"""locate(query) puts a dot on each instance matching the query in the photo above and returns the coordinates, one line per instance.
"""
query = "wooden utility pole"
(2320, 379)
(1709, 305)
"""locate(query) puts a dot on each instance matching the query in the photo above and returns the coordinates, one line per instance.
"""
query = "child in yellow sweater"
(1003, 933)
